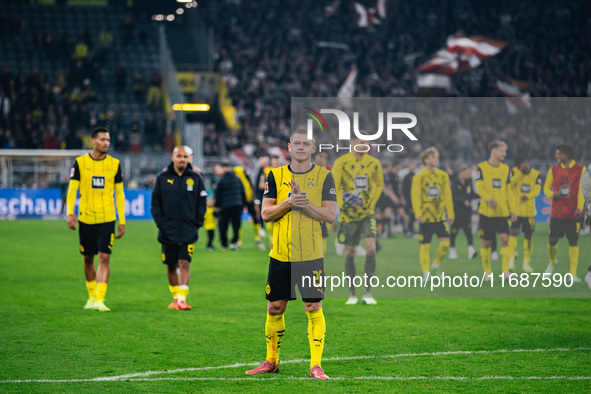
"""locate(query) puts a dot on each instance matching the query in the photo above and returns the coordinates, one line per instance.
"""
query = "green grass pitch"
(48, 343)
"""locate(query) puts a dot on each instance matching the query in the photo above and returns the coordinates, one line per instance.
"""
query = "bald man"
(179, 201)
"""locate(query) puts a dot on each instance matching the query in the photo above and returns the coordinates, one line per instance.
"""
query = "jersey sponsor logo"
(203, 193)
(565, 190)
(361, 182)
(266, 188)
(98, 182)
(72, 172)
(497, 183)
(333, 191)
(525, 188)
(433, 191)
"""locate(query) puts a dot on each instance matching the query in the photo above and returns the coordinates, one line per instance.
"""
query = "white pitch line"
(139, 375)
(252, 379)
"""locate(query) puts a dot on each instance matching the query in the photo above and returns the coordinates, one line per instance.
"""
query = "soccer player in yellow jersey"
(527, 184)
(359, 181)
(493, 185)
(97, 175)
(297, 198)
(431, 200)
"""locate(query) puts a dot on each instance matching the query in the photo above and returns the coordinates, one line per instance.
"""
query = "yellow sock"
(512, 245)
(424, 256)
(441, 252)
(183, 293)
(91, 287)
(552, 251)
(316, 332)
(573, 253)
(101, 291)
(274, 330)
(527, 247)
(174, 290)
(485, 255)
(506, 254)
(257, 228)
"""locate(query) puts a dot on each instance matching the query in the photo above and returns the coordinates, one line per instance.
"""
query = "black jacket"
(229, 191)
(178, 205)
(461, 194)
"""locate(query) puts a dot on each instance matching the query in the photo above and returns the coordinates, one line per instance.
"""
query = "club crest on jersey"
(433, 191)
(565, 190)
(525, 188)
(497, 183)
(361, 182)
(98, 182)
(190, 183)
(310, 184)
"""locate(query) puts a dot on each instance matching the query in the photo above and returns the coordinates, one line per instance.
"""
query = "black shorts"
(284, 276)
(383, 203)
(426, 231)
(171, 254)
(490, 227)
(462, 221)
(558, 227)
(526, 225)
(96, 238)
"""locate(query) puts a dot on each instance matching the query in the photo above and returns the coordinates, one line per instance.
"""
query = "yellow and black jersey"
(529, 185)
(241, 174)
(359, 182)
(494, 182)
(431, 195)
(97, 180)
(209, 220)
(298, 237)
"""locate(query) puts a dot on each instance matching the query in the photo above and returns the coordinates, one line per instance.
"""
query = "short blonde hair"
(496, 144)
(428, 152)
(300, 131)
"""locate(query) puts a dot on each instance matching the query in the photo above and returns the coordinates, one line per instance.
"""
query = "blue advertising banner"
(48, 204)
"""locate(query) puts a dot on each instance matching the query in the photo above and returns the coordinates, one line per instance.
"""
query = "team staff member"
(563, 187)
(493, 185)
(359, 181)
(431, 199)
(462, 195)
(229, 202)
(97, 175)
(179, 201)
(526, 183)
(297, 196)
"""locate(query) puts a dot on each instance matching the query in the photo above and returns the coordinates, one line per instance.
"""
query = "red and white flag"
(482, 47)
(347, 90)
(442, 62)
(516, 100)
(370, 16)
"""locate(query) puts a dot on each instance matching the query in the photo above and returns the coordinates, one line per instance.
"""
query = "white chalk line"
(141, 376)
